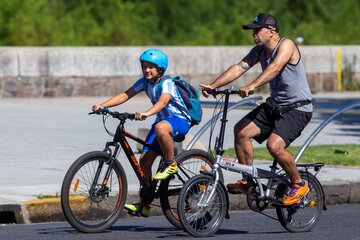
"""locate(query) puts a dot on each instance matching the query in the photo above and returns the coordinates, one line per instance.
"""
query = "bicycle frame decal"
(238, 167)
(142, 142)
(133, 159)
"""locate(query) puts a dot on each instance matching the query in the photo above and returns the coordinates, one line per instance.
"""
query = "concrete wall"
(96, 71)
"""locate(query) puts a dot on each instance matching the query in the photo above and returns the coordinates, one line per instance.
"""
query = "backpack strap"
(182, 109)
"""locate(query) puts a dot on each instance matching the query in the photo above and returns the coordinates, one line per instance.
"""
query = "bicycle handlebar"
(228, 91)
(114, 114)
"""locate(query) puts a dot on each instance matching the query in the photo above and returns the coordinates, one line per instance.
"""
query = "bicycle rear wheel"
(200, 216)
(304, 216)
(189, 163)
(94, 209)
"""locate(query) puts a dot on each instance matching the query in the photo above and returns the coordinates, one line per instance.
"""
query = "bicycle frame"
(120, 139)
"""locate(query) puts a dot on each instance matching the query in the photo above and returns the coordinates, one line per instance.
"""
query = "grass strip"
(340, 155)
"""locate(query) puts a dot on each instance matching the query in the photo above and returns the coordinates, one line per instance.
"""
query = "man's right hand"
(205, 89)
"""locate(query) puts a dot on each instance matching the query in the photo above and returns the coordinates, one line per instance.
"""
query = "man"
(287, 111)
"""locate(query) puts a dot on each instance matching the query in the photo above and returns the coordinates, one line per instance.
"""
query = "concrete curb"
(49, 210)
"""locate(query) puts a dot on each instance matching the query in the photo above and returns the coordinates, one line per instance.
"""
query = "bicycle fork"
(103, 188)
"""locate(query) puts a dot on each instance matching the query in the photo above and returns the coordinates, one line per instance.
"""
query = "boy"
(170, 124)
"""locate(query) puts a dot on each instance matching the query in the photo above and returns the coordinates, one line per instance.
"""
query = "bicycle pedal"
(134, 214)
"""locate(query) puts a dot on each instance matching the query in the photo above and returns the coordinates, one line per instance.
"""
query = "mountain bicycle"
(94, 189)
(203, 202)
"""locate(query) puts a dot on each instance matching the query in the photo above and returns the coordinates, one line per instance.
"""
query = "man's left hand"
(246, 91)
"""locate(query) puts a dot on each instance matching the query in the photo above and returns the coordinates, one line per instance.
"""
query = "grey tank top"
(291, 84)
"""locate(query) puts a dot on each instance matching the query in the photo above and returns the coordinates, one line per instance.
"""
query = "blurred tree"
(164, 22)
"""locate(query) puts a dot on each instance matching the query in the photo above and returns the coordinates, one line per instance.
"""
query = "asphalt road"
(338, 222)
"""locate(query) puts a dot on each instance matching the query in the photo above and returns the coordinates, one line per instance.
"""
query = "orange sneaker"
(296, 193)
(240, 186)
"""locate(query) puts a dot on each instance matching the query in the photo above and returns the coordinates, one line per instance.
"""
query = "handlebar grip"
(100, 111)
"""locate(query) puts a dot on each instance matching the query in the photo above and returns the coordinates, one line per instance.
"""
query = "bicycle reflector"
(202, 187)
(312, 203)
(76, 185)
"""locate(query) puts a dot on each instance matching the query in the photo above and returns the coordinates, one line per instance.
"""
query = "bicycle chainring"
(253, 202)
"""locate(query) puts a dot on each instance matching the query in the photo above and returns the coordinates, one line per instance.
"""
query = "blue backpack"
(190, 97)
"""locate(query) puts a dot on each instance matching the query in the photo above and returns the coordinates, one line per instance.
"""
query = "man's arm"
(235, 71)
(285, 52)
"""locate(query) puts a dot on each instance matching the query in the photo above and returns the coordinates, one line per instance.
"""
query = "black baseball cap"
(263, 20)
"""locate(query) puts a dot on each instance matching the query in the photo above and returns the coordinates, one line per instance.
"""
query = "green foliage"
(165, 22)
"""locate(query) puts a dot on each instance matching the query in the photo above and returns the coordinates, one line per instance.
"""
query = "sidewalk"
(42, 137)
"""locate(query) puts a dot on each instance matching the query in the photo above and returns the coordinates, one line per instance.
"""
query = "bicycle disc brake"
(97, 195)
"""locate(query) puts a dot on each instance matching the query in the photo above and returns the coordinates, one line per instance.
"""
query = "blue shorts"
(180, 127)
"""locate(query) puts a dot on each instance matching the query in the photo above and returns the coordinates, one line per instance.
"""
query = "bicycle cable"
(105, 117)
(213, 123)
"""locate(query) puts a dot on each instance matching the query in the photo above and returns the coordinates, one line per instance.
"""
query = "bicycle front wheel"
(304, 216)
(189, 163)
(202, 206)
(91, 205)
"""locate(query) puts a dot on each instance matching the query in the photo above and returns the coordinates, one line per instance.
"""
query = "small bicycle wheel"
(190, 163)
(93, 209)
(304, 216)
(199, 215)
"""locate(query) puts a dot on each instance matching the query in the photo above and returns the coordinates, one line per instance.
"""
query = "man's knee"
(242, 130)
(272, 148)
(275, 147)
(240, 135)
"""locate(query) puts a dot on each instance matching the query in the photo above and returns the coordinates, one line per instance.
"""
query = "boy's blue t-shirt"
(154, 92)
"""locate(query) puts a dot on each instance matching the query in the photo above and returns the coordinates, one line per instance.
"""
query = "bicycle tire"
(92, 213)
(189, 163)
(304, 217)
(197, 220)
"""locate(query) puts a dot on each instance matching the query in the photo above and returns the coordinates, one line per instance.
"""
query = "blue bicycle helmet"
(155, 56)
